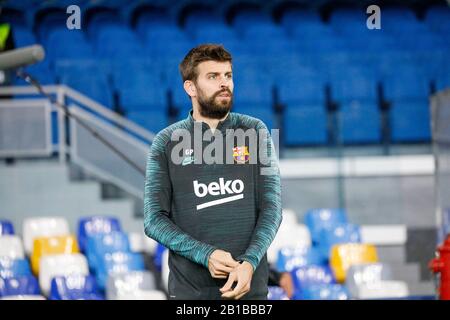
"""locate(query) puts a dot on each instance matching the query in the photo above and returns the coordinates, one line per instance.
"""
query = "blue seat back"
(291, 258)
(318, 219)
(339, 233)
(326, 292)
(21, 285)
(12, 268)
(118, 262)
(276, 293)
(89, 226)
(307, 276)
(74, 287)
(100, 244)
(157, 259)
(6, 227)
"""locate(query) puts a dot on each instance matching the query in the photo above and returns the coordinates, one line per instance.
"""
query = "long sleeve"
(269, 204)
(157, 205)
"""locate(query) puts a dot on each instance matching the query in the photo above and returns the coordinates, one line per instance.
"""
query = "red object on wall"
(441, 264)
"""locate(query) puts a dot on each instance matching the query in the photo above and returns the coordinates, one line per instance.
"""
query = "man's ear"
(190, 88)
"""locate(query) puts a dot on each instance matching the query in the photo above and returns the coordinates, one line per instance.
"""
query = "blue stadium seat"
(406, 83)
(339, 233)
(290, 258)
(318, 219)
(263, 31)
(6, 227)
(99, 19)
(306, 276)
(62, 43)
(128, 72)
(117, 41)
(410, 121)
(180, 99)
(100, 244)
(167, 40)
(246, 19)
(401, 20)
(157, 259)
(13, 268)
(23, 36)
(19, 285)
(359, 122)
(144, 95)
(300, 84)
(215, 33)
(148, 19)
(154, 120)
(303, 94)
(51, 20)
(252, 89)
(301, 19)
(348, 21)
(202, 19)
(277, 47)
(40, 71)
(93, 85)
(305, 124)
(89, 226)
(408, 90)
(74, 287)
(443, 77)
(261, 111)
(438, 18)
(326, 292)
(276, 293)
(117, 262)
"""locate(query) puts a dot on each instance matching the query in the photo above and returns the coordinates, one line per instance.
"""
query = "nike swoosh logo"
(187, 161)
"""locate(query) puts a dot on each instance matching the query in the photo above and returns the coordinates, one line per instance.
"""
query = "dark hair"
(201, 53)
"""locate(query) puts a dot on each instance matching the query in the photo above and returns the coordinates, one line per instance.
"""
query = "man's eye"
(229, 76)
(212, 76)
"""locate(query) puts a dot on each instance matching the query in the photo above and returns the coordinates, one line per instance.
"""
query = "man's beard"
(209, 108)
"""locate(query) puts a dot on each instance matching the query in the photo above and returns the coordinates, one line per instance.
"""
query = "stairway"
(44, 188)
(395, 257)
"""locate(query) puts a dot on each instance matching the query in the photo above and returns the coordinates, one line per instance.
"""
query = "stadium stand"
(315, 69)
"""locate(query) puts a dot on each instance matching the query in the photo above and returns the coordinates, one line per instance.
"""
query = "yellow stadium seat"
(51, 245)
(343, 256)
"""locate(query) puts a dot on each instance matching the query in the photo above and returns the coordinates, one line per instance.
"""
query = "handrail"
(85, 101)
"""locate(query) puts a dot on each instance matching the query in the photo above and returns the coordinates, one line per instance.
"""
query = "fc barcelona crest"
(241, 154)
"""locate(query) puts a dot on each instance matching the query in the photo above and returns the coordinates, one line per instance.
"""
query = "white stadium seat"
(60, 265)
(24, 297)
(374, 281)
(128, 285)
(139, 242)
(144, 295)
(383, 290)
(136, 242)
(165, 270)
(288, 235)
(11, 247)
(289, 216)
(43, 227)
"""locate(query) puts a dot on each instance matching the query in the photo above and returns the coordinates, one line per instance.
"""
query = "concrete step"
(409, 273)
(35, 175)
(391, 254)
(423, 288)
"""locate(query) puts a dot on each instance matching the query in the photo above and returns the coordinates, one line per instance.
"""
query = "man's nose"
(224, 85)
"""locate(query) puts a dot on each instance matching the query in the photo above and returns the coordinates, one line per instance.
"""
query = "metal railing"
(73, 141)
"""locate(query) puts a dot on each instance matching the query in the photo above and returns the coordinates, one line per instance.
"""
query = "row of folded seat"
(134, 70)
(327, 259)
(324, 256)
(52, 263)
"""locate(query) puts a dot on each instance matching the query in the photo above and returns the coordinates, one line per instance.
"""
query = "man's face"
(214, 89)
